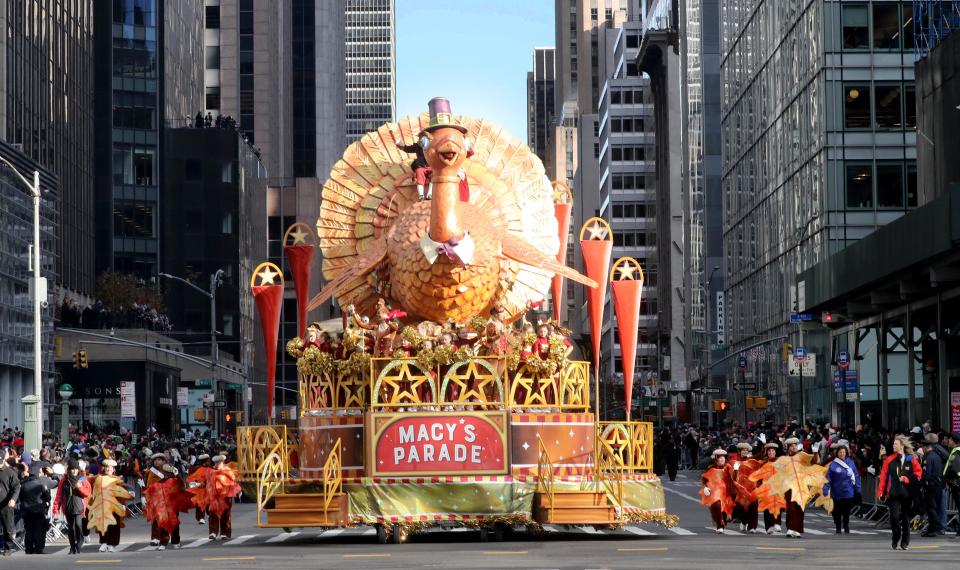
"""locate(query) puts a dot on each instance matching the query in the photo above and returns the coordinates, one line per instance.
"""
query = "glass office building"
(818, 143)
(370, 65)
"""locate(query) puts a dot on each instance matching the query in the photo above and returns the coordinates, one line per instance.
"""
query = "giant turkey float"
(446, 396)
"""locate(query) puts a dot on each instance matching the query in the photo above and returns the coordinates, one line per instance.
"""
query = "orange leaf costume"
(217, 487)
(796, 474)
(106, 505)
(165, 499)
(721, 489)
(744, 488)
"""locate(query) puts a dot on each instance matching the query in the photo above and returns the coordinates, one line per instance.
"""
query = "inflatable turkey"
(483, 235)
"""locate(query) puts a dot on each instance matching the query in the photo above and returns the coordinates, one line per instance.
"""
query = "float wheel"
(381, 534)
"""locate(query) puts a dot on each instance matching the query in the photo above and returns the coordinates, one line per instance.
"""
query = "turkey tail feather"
(518, 249)
(349, 279)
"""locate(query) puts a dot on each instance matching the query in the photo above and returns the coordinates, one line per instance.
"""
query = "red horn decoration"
(299, 254)
(268, 296)
(562, 205)
(597, 249)
(626, 284)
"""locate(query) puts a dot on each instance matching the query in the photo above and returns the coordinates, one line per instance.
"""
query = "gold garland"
(295, 347)
(357, 363)
(477, 324)
(411, 335)
(633, 516)
(314, 361)
(426, 359)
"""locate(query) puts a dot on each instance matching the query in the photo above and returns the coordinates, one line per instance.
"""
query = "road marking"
(816, 532)
(228, 558)
(367, 555)
(639, 531)
(781, 548)
(106, 561)
(240, 539)
(684, 495)
(657, 549)
(589, 530)
(373, 531)
(334, 532)
(148, 547)
(282, 537)
(62, 552)
(681, 531)
(725, 531)
(862, 532)
(505, 552)
(550, 528)
(925, 547)
(122, 547)
(198, 542)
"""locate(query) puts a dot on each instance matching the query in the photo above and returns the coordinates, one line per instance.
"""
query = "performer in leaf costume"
(166, 499)
(796, 479)
(218, 487)
(717, 491)
(746, 508)
(203, 461)
(157, 512)
(106, 506)
(772, 505)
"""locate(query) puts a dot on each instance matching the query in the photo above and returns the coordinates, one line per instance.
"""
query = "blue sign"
(800, 353)
(742, 363)
(797, 318)
(846, 381)
(843, 359)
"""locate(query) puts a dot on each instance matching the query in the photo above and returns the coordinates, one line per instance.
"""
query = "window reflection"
(888, 114)
(890, 185)
(857, 106)
(886, 26)
(855, 26)
(859, 186)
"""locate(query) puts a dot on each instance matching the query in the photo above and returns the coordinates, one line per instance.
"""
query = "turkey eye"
(425, 142)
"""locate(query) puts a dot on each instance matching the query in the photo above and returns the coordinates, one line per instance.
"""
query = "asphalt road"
(693, 544)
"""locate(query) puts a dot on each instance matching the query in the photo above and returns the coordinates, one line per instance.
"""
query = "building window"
(906, 25)
(213, 17)
(212, 57)
(856, 26)
(856, 107)
(910, 106)
(886, 26)
(911, 185)
(213, 98)
(859, 186)
(192, 170)
(890, 185)
(889, 107)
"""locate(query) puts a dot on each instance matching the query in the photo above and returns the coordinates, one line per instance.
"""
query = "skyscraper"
(540, 103)
(46, 107)
(818, 152)
(370, 65)
(149, 68)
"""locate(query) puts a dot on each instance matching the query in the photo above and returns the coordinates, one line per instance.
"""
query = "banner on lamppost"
(597, 248)
(626, 284)
(128, 400)
(299, 242)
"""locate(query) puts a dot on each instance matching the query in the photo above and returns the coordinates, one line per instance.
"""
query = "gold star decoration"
(401, 387)
(267, 276)
(299, 236)
(597, 231)
(473, 382)
(627, 272)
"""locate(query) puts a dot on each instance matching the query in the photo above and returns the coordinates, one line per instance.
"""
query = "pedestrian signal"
(720, 405)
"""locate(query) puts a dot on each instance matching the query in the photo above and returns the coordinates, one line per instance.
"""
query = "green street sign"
(202, 382)
(232, 386)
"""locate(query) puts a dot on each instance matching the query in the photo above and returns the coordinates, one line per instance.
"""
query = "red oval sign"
(438, 444)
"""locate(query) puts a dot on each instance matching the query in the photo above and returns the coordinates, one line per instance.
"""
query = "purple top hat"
(441, 116)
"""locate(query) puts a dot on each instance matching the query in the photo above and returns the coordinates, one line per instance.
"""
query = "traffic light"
(82, 358)
(76, 360)
(760, 403)
(720, 405)
(826, 317)
(787, 351)
(750, 402)
(228, 417)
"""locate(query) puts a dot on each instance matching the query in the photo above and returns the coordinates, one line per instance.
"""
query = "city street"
(692, 544)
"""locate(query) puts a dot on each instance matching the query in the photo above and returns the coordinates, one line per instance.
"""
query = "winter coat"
(933, 463)
(72, 499)
(891, 484)
(35, 494)
(842, 482)
(9, 485)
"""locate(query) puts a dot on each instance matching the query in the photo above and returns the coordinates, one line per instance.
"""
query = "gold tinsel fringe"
(632, 516)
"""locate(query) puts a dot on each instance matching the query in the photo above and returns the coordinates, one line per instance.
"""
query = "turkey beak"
(448, 151)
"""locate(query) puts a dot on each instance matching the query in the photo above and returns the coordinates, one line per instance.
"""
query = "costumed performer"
(221, 489)
(107, 506)
(745, 489)
(717, 491)
(843, 485)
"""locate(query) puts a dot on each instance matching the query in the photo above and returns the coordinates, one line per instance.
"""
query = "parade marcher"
(898, 485)
(745, 489)
(771, 524)
(717, 491)
(794, 511)
(107, 506)
(222, 487)
(34, 504)
(843, 485)
(935, 497)
(155, 476)
(72, 493)
(203, 460)
(951, 471)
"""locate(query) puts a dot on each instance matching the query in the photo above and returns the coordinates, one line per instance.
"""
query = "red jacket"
(886, 472)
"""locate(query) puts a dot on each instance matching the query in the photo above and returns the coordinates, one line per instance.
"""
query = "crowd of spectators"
(98, 316)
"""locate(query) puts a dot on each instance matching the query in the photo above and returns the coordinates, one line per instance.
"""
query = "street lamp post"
(32, 440)
(216, 279)
(800, 235)
(65, 391)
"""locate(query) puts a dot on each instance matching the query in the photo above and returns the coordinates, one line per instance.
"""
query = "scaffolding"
(933, 21)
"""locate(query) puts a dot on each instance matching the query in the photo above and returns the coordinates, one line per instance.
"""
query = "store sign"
(954, 411)
(720, 316)
(128, 400)
(183, 397)
(437, 443)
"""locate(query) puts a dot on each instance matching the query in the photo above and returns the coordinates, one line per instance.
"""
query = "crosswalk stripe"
(681, 531)
(148, 547)
(282, 537)
(198, 542)
(62, 552)
(725, 531)
(373, 531)
(816, 532)
(861, 532)
(550, 528)
(122, 546)
(239, 540)
(333, 532)
(639, 531)
(589, 530)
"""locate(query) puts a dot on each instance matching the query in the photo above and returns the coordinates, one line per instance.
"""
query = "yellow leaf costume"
(106, 505)
(796, 474)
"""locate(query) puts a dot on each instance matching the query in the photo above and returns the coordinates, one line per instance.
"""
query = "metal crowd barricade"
(873, 510)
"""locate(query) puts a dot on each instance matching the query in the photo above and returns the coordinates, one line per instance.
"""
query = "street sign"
(846, 381)
(745, 386)
(710, 390)
(183, 397)
(799, 353)
(219, 404)
(797, 318)
(742, 363)
(128, 400)
(232, 386)
(199, 382)
(808, 366)
(843, 359)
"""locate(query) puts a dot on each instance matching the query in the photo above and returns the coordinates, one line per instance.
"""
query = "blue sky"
(474, 52)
